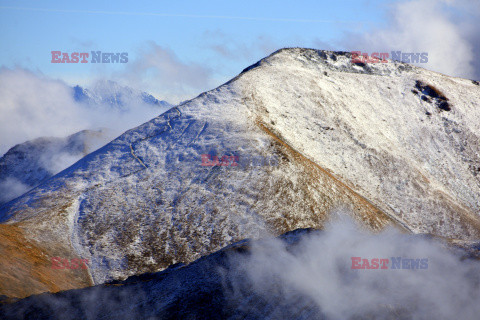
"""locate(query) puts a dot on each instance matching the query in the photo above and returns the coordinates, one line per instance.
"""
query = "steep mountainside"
(391, 143)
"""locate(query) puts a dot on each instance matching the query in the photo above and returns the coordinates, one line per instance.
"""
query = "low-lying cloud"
(11, 188)
(307, 277)
(314, 278)
(33, 106)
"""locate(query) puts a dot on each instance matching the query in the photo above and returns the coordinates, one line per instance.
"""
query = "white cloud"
(317, 274)
(436, 27)
(230, 47)
(160, 70)
(32, 106)
(11, 188)
(57, 156)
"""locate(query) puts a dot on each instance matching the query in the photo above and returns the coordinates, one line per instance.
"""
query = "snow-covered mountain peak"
(325, 60)
(380, 145)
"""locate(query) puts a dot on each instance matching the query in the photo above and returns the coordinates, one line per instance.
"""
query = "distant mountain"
(394, 144)
(107, 92)
(27, 164)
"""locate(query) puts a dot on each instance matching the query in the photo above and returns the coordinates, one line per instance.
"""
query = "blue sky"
(224, 36)
(178, 49)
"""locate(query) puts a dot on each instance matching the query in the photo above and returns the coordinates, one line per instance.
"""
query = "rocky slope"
(392, 143)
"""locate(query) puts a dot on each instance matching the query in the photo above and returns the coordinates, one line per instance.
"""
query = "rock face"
(375, 139)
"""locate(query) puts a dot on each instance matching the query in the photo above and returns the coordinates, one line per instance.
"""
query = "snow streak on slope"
(344, 133)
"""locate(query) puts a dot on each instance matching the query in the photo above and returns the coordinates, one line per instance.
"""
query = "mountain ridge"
(345, 140)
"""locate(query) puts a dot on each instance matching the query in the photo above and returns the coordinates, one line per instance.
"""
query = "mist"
(305, 274)
(314, 277)
(33, 105)
(447, 30)
(11, 188)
